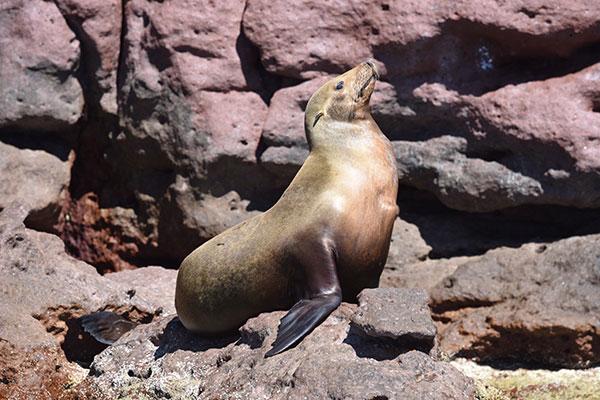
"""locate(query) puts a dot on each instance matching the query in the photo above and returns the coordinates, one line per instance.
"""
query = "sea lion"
(325, 240)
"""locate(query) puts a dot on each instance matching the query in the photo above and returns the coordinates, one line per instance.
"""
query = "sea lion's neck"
(337, 137)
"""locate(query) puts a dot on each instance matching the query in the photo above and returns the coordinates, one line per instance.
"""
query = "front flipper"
(301, 319)
(323, 296)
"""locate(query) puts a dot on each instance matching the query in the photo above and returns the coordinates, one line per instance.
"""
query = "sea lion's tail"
(105, 326)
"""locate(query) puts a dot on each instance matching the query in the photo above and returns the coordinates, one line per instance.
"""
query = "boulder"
(42, 293)
(97, 26)
(531, 143)
(305, 38)
(39, 58)
(35, 180)
(397, 315)
(537, 304)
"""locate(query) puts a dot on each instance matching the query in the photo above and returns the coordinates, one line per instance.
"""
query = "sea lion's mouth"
(364, 86)
(373, 69)
(374, 75)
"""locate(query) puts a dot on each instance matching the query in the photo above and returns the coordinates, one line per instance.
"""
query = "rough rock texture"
(36, 180)
(194, 110)
(531, 143)
(97, 25)
(147, 127)
(399, 315)
(394, 32)
(154, 284)
(42, 293)
(191, 113)
(538, 140)
(536, 304)
(39, 56)
(163, 360)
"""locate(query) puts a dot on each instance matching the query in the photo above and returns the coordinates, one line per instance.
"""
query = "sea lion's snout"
(373, 67)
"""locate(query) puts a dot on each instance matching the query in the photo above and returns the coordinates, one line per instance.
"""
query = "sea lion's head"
(344, 98)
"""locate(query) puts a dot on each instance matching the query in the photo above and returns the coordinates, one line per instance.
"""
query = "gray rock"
(42, 293)
(161, 360)
(401, 315)
(153, 284)
(36, 180)
(440, 166)
(536, 304)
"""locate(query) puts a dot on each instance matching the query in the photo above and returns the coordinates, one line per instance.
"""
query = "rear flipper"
(105, 326)
(302, 319)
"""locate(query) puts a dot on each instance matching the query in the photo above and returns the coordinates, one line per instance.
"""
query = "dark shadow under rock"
(452, 233)
(175, 337)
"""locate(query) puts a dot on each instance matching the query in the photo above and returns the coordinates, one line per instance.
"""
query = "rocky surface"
(43, 292)
(537, 304)
(47, 179)
(163, 360)
(528, 384)
(186, 117)
(39, 90)
(138, 129)
(401, 315)
(45, 352)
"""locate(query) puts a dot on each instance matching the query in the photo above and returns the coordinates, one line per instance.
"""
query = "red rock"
(302, 39)
(536, 304)
(38, 62)
(97, 25)
(42, 293)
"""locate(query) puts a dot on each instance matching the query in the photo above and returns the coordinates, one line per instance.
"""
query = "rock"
(400, 316)
(517, 137)
(440, 166)
(536, 304)
(42, 293)
(422, 275)
(39, 90)
(105, 238)
(162, 359)
(190, 117)
(303, 39)
(540, 130)
(97, 25)
(153, 284)
(35, 180)
(406, 246)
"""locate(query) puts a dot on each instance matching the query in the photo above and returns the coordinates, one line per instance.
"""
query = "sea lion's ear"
(317, 117)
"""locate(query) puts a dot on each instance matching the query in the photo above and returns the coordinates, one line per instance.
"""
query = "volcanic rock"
(537, 304)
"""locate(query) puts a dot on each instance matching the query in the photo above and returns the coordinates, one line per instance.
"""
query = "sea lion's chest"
(365, 207)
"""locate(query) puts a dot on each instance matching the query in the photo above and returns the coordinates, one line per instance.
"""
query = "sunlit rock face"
(136, 130)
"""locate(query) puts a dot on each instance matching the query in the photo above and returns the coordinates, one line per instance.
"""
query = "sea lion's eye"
(339, 85)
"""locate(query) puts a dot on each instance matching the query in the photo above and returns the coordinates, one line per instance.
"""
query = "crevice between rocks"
(78, 346)
(381, 348)
(453, 233)
(258, 78)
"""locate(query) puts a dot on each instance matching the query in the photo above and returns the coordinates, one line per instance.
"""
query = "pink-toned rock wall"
(185, 117)
(135, 130)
